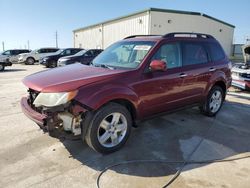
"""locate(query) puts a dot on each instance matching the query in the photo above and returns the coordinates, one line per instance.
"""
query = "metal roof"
(156, 10)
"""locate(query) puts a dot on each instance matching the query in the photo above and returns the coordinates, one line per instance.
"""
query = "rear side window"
(193, 53)
(216, 52)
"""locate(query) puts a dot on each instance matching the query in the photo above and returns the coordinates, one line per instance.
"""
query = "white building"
(153, 22)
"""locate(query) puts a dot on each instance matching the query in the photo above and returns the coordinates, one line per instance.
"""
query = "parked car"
(84, 57)
(132, 80)
(241, 71)
(10, 56)
(51, 61)
(35, 55)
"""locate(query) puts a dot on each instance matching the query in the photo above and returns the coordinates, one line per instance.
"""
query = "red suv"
(133, 79)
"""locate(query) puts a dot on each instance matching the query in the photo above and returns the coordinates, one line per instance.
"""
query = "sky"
(38, 20)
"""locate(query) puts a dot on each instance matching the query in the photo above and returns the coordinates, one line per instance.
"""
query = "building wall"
(152, 22)
(117, 30)
(160, 24)
(89, 38)
(103, 35)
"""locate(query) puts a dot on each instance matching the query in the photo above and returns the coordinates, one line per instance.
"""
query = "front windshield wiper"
(102, 65)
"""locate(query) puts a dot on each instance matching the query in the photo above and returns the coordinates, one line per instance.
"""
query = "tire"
(214, 101)
(2, 68)
(30, 61)
(106, 133)
(53, 64)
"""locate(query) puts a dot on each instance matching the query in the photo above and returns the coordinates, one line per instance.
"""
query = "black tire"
(53, 64)
(2, 67)
(205, 108)
(94, 128)
(30, 61)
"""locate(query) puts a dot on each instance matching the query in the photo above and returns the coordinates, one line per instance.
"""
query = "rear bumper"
(40, 119)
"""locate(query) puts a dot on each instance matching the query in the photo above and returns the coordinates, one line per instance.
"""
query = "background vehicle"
(10, 56)
(35, 55)
(241, 71)
(84, 57)
(51, 61)
(133, 79)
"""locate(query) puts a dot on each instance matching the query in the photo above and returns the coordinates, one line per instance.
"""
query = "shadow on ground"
(174, 137)
(12, 70)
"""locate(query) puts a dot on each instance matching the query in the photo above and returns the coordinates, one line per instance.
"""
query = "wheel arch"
(223, 86)
(128, 104)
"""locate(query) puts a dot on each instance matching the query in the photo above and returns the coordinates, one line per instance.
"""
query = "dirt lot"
(30, 158)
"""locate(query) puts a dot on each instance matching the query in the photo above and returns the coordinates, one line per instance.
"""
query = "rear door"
(196, 72)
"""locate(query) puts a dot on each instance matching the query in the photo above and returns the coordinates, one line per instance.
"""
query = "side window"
(68, 52)
(216, 52)
(41, 51)
(169, 53)
(6, 52)
(88, 54)
(194, 53)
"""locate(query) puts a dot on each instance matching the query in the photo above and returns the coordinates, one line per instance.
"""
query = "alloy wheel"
(112, 130)
(215, 101)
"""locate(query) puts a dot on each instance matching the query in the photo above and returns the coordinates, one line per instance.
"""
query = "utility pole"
(28, 42)
(56, 39)
(3, 45)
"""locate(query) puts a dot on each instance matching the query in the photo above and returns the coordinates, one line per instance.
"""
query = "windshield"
(125, 54)
(80, 53)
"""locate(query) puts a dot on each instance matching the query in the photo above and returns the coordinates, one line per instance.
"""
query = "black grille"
(32, 96)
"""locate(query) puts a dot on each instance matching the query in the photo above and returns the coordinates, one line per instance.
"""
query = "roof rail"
(188, 34)
(134, 36)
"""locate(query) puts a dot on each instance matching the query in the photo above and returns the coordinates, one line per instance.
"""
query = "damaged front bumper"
(58, 121)
(241, 76)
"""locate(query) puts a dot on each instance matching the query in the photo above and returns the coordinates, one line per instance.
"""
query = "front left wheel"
(109, 128)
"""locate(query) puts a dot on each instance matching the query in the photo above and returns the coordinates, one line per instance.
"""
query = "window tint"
(53, 50)
(67, 52)
(216, 52)
(89, 53)
(194, 53)
(169, 53)
(7, 52)
(40, 51)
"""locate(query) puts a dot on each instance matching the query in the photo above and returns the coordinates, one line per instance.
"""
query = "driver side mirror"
(158, 65)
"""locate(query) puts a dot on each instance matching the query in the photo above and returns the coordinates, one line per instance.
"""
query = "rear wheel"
(213, 102)
(30, 61)
(53, 64)
(109, 128)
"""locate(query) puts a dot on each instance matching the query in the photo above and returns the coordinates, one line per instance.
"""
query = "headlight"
(54, 99)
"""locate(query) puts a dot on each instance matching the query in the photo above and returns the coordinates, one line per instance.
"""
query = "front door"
(162, 91)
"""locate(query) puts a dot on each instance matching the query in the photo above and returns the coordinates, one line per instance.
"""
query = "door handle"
(182, 75)
(212, 69)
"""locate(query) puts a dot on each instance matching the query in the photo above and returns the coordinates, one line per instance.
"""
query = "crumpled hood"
(68, 78)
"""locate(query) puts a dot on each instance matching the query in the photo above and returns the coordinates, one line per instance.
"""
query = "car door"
(161, 90)
(196, 71)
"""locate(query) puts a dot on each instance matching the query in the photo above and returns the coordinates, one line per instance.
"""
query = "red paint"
(150, 92)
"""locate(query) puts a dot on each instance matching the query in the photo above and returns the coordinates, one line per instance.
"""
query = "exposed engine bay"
(241, 71)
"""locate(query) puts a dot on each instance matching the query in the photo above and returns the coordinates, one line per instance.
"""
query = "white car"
(241, 71)
(36, 55)
(11, 55)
